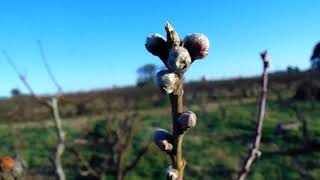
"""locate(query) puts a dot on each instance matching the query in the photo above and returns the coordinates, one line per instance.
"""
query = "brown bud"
(197, 44)
(179, 59)
(163, 139)
(167, 81)
(187, 120)
(157, 46)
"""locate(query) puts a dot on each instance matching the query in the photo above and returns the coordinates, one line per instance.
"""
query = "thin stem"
(48, 68)
(176, 100)
(255, 152)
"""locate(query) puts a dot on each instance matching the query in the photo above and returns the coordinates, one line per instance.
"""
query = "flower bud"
(187, 120)
(163, 139)
(167, 81)
(157, 46)
(172, 174)
(179, 59)
(197, 44)
(173, 38)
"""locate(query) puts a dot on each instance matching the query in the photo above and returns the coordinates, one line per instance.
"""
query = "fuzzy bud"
(187, 120)
(163, 139)
(197, 44)
(157, 46)
(172, 174)
(167, 81)
(179, 59)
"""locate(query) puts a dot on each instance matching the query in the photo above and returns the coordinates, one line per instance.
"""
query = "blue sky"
(98, 43)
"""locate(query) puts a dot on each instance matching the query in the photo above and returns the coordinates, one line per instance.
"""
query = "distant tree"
(146, 74)
(15, 92)
(292, 70)
(203, 78)
(315, 58)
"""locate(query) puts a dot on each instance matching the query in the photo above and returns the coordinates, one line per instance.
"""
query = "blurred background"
(91, 55)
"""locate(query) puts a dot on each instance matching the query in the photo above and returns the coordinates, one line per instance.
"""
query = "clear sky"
(93, 44)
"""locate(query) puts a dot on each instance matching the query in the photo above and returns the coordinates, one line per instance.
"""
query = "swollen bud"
(179, 59)
(163, 139)
(173, 38)
(167, 81)
(172, 174)
(197, 44)
(157, 46)
(187, 120)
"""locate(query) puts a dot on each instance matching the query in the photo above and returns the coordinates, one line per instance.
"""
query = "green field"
(214, 149)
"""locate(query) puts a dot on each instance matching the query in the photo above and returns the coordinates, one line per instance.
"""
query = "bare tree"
(254, 151)
(52, 105)
(60, 147)
(113, 137)
(146, 74)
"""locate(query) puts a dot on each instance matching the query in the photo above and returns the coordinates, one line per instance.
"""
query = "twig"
(138, 157)
(181, 56)
(48, 68)
(84, 162)
(176, 100)
(23, 79)
(255, 152)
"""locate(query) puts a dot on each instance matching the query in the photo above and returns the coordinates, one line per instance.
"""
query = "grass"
(213, 150)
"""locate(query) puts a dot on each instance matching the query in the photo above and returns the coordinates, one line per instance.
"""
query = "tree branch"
(61, 139)
(24, 80)
(255, 152)
(48, 68)
(138, 157)
(84, 162)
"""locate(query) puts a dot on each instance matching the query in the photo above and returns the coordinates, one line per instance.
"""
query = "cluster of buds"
(177, 56)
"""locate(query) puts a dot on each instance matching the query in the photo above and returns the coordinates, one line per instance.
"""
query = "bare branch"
(54, 108)
(84, 162)
(138, 157)
(255, 152)
(171, 81)
(48, 68)
(24, 80)
(61, 138)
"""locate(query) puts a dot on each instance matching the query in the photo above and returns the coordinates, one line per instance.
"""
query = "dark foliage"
(308, 91)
